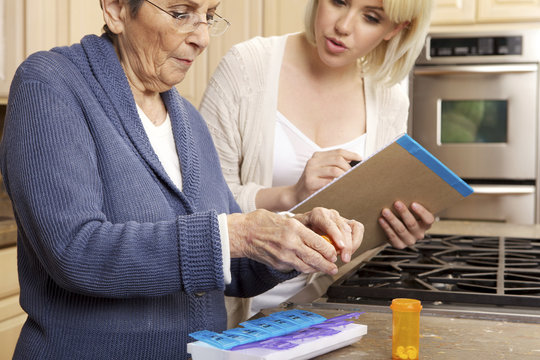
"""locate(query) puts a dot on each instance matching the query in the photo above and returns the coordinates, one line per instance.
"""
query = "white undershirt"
(292, 150)
(162, 141)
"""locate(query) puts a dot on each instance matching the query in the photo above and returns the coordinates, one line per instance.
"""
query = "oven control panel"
(476, 46)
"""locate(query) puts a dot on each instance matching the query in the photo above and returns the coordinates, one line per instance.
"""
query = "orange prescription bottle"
(405, 329)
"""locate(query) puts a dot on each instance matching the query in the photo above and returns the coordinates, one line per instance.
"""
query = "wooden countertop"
(441, 338)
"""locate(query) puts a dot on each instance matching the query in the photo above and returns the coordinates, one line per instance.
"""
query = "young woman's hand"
(321, 169)
(408, 226)
(288, 243)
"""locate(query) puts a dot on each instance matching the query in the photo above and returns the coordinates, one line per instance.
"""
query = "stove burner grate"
(449, 269)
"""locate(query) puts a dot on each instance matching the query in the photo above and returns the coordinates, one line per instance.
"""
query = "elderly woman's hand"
(288, 243)
(407, 228)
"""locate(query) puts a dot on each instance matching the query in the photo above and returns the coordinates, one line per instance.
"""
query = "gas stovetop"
(443, 269)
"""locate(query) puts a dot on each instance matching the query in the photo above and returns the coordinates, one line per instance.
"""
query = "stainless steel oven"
(475, 100)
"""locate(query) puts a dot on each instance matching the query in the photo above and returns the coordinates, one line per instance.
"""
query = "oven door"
(479, 120)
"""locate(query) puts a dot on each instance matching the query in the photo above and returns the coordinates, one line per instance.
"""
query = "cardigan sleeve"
(224, 108)
(251, 278)
(51, 170)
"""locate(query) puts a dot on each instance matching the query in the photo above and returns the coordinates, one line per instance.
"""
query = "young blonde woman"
(289, 113)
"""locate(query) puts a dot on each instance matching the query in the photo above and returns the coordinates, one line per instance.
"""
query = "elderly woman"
(128, 236)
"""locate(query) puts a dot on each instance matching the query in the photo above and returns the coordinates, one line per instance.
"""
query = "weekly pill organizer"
(284, 335)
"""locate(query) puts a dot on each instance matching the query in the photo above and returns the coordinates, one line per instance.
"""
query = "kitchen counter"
(468, 333)
(440, 337)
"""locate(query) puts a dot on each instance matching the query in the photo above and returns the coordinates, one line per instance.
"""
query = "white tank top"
(292, 150)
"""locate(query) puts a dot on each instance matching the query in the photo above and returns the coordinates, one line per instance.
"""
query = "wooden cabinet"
(454, 12)
(33, 25)
(59, 22)
(11, 43)
(508, 10)
(283, 16)
(12, 317)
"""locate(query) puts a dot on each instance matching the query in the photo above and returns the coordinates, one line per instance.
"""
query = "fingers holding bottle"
(346, 235)
(294, 243)
(280, 242)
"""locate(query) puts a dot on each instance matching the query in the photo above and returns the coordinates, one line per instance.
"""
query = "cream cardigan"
(240, 107)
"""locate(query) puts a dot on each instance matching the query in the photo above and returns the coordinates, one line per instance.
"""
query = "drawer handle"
(503, 189)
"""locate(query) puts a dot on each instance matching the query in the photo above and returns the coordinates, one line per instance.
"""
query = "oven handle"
(503, 189)
(475, 69)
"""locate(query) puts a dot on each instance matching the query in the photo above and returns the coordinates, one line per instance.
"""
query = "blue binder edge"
(416, 150)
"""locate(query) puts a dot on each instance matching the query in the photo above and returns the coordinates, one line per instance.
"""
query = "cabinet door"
(12, 316)
(11, 43)
(59, 22)
(85, 17)
(8, 272)
(448, 12)
(283, 16)
(508, 10)
(46, 25)
(9, 333)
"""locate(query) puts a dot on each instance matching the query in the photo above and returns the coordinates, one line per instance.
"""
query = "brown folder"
(402, 170)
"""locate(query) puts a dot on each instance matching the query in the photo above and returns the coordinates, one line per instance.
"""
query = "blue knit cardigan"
(114, 261)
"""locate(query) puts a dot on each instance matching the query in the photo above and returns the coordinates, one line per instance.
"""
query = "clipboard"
(402, 170)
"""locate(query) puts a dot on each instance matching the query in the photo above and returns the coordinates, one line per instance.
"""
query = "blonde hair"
(391, 61)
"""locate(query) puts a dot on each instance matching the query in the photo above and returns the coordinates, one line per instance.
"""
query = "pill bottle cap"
(407, 305)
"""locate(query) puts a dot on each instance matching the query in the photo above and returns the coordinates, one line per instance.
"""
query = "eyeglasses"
(190, 21)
